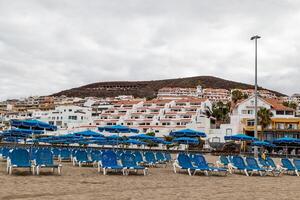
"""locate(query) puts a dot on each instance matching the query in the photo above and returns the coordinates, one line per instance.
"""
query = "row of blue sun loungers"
(196, 163)
(20, 158)
(125, 161)
(250, 165)
(193, 163)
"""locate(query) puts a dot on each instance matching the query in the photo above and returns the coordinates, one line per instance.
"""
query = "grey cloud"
(48, 46)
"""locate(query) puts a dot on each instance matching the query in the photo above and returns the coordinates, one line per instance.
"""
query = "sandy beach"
(85, 183)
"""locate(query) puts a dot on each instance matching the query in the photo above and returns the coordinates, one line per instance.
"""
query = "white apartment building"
(296, 98)
(159, 116)
(243, 114)
(66, 117)
(180, 92)
(262, 93)
(216, 95)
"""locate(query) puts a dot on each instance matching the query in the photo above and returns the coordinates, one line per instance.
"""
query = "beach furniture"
(264, 163)
(19, 158)
(119, 154)
(150, 158)
(81, 157)
(296, 163)
(161, 158)
(240, 165)
(271, 163)
(183, 162)
(288, 166)
(55, 152)
(44, 159)
(223, 161)
(109, 162)
(139, 157)
(200, 161)
(129, 163)
(168, 156)
(253, 164)
(32, 152)
(73, 152)
(64, 155)
(5, 153)
(96, 156)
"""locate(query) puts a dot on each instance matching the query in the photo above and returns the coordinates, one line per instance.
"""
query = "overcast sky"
(49, 46)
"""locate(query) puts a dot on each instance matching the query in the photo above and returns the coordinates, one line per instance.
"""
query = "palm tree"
(264, 118)
(237, 95)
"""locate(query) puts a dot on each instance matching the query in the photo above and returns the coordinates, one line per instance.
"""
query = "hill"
(149, 89)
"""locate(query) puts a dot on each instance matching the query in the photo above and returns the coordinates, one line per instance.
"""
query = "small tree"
(150, 134)
(220, 111)
(237, 95)
(291, 104)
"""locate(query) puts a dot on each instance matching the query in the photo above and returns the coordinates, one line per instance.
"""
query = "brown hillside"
(149, 89)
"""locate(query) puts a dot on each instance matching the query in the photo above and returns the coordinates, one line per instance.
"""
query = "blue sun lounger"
(270, 165)
(44, 159)
(239, 164)
(253, 164)
(200, 162)
(55, 152)
(223, 160)
(263, 163)
(80, 158)
(5, 153)
(150, 158)
(139, 157)
(96, 156)
(296, 163)
(168, 156)
(64, 155)
(161, 158)
(129, 163)
(288, 166)
(109, 162)
(183, 162)
(19, 158)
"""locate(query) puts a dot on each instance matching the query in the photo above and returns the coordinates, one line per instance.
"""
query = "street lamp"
(255, 38)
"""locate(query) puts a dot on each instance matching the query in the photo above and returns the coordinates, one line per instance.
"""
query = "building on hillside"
(158, 115)
(216, 95)
(283, 122)
(295, 98)
(66, 117)
(263, 93)
(179, 92)
(213, 95)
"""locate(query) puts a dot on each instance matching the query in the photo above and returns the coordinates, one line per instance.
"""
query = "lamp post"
(255, 38)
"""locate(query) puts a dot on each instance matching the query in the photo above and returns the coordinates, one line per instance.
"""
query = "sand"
(85, 183)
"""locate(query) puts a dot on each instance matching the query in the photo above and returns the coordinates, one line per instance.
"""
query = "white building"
(159, 116)
(180, 92)
(66, 117)
(296, 98)
(216, 95)
(262, 93)
(243, 114)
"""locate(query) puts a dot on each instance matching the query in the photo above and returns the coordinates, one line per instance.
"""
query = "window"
(279, 112)
(247, 112)
(250, 122)
(289, 112)
(292, 126)
(73, 117)
(280, 126)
